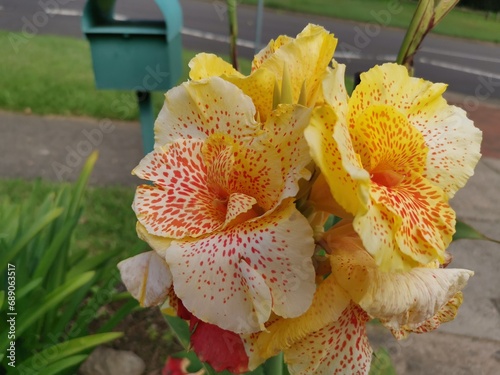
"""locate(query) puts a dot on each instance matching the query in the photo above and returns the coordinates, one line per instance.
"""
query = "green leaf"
(382, 363)
(41, 223)
(180, 329)
(465, 231)
(2, 299)
(442, 8)
(91, 263)
(82, 183)
(26, 319)
(66, 349)
(63, 364)
(28, 288)
(274, 365)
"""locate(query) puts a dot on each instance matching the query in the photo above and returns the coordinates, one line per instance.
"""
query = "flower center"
(387, 177)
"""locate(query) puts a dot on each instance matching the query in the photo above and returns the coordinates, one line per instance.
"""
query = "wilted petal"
(235, 278)
(342, 347)
(398, 298)
(446, 314)
(146, 277)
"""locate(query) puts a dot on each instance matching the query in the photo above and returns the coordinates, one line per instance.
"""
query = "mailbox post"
(137, 55)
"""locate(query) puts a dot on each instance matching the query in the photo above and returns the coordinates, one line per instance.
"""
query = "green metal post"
(146, 116)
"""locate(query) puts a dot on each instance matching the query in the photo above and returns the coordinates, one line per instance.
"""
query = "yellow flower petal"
(197, 109)
(235, 278)
(332, 150)
(341, 347)
(328, 304)
(205, 65)
(398, 298)
(453, 141)
(146, 277)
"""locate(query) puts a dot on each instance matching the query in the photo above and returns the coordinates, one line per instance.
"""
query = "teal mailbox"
(139, 55)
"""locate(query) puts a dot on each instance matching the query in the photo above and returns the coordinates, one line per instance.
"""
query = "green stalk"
(233, 31)
(274, 365)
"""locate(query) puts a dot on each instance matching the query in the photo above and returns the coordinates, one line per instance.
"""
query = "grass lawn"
(107, 223)
(460, 22)
(53, 75)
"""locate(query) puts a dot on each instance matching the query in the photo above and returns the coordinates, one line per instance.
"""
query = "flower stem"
(274, 365)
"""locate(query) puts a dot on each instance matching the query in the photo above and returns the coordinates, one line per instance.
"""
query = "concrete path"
(55, 148)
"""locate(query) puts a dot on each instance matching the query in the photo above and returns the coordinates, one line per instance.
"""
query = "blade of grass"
(66, 349)
(64, 364)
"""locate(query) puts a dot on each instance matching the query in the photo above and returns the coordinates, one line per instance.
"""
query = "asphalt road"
(469, 67)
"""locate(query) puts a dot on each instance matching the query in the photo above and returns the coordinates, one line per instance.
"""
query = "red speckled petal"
(234, 278)
(197, 109)
(385, 140)
(398, 298)
(452, 139)
(335, 92)
(146, 277)
(454, 145)
(180, 204)
(285, 129)
(329, 302)
(419, 218)
(268, 50)
(341, 347)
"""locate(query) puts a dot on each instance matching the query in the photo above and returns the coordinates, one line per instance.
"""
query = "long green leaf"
(51, 254)
(2, 299)
(274, 365)
(82, 182)
(180, 329)
(28, 236)
(22, 292)
(91, 263)
(27, 318)
(66, 349)
(467, 232)
(64, 364)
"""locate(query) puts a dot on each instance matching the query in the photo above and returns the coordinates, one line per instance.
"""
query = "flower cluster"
(246, 171)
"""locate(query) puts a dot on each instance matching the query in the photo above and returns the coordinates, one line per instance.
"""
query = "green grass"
(53, 75)
(107, 223)
(460, 22)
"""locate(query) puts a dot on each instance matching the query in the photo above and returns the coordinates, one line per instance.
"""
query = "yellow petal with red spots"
(398, 298)
(452, 139)
(180, 204)
(328, 304)
(268, 50)
(146, 277)
(417, 218)
(332, 150)
(341, 347)
(235, 278)
(197, 109)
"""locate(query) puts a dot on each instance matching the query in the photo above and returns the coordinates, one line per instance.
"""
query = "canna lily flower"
(392, 155)
(220, 211)
(297, 65)
(331, 336)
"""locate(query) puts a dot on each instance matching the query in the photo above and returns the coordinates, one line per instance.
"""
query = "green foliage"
(52, 290)
(467, 232)
(382, 363)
